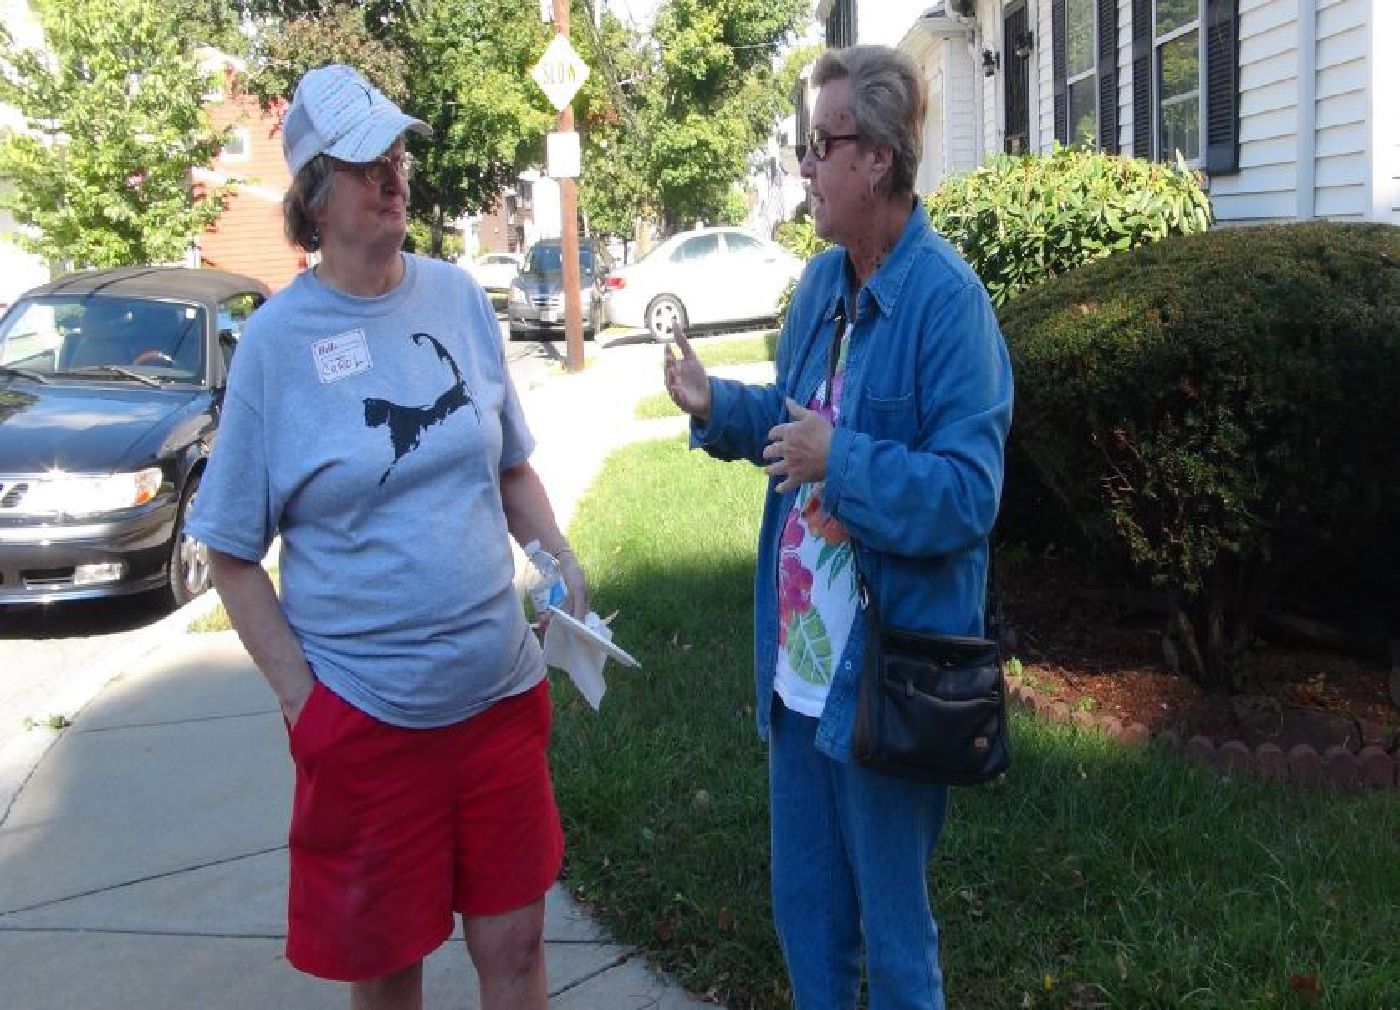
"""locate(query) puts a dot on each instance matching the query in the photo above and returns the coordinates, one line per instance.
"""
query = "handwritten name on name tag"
(341, 356)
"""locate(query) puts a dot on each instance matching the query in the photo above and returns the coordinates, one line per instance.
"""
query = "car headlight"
(75, 495)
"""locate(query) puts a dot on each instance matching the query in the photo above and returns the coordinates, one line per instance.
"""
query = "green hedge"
(1021, 220)
(1220, 406)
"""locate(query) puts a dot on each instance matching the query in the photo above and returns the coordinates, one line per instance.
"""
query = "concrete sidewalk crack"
(77, 728)
(51, 902)
(117, 931)
(616, 962)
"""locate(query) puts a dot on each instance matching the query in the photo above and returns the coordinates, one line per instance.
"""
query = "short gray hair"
(306, 198)
(887, 103)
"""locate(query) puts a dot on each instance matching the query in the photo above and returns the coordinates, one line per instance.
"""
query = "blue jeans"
(850, 851)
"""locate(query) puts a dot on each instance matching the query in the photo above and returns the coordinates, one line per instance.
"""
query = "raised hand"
(686, 381)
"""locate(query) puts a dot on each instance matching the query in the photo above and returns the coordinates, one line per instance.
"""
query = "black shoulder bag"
(931, 707)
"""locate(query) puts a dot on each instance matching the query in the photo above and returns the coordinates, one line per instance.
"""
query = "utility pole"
(568, 223)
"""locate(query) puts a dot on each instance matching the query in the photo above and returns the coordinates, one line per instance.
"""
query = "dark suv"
(535, 303)
(111, 383)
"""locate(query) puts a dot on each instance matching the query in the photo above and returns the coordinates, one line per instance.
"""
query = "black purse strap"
(991, 613)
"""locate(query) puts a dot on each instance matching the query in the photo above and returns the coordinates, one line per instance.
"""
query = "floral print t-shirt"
(816, 582)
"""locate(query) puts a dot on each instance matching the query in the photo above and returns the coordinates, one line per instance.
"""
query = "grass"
(737, 351)
(1093, 876)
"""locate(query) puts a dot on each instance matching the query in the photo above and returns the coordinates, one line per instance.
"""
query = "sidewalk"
(143, 862)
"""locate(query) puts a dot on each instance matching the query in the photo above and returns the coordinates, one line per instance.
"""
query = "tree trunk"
(437, 231)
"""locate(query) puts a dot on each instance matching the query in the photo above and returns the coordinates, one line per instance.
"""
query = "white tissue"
(579, 654)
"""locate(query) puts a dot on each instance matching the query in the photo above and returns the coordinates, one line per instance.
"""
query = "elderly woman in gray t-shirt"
(371, 424)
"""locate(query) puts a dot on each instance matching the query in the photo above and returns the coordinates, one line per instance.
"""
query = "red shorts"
(395, 829)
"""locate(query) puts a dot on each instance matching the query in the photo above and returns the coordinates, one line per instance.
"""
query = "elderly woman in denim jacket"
(883, 434)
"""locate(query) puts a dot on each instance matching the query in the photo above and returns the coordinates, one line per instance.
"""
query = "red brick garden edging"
(1337, 767)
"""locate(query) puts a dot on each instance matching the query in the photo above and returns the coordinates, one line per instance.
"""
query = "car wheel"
(664, 312)
(188, 574)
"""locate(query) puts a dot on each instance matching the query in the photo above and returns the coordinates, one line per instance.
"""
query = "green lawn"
(1092, 876)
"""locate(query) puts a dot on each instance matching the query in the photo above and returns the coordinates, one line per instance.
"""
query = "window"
(841, 24)
(238, 146)
(697, 248)
(1176, 34)
(742, 244)
(1080, 70)
(1085, 64)
(233, 316)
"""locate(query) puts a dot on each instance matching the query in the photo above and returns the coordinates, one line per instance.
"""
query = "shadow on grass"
(1091, 876)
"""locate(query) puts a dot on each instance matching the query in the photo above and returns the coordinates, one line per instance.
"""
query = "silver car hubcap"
(663, 319)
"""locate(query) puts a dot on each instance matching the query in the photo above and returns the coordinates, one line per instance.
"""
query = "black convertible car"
(111, 383)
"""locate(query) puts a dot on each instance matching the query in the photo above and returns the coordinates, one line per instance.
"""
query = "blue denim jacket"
(915, 468)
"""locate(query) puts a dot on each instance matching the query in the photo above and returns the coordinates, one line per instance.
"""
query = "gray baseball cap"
(336, 111)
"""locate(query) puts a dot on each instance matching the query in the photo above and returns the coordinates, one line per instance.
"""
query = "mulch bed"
(1098, 651)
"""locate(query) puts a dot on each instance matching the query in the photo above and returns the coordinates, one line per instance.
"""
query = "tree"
(469, 80)
(283, 50)
(461, 66)
(704, 96)
(115, 124)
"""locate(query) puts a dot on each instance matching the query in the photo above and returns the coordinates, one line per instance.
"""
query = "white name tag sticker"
(341, 356)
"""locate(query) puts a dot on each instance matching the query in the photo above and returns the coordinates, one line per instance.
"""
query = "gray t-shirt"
(370, 433)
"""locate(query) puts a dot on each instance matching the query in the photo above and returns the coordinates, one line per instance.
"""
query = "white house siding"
(989, 89)
(1304, 131)
(1044, 71)
(950, 126)
(960, 85)
(1343, 75)
(1266, 185)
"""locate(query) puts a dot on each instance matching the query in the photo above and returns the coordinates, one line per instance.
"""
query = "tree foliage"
(114, 125)
(284, 49)
(717, 98)
(462, 66)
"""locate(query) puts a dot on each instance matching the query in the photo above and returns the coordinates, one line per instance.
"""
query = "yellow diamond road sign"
(560, 72)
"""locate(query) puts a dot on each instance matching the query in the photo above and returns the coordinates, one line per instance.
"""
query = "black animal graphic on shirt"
(407, 424)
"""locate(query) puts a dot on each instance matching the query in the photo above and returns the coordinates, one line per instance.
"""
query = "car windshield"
(105, 336)
(546, 259)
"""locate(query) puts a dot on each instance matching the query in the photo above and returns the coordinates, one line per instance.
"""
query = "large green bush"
(1021, 220)
(1222, 406)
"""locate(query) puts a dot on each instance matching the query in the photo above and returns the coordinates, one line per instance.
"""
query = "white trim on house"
(1383, 112)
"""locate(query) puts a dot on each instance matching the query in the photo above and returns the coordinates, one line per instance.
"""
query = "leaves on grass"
(1306, 986)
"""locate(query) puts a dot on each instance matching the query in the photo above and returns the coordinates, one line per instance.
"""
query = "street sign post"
(560, 73)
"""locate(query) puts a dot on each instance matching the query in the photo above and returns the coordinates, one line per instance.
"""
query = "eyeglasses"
(820, 143)
(374, 173)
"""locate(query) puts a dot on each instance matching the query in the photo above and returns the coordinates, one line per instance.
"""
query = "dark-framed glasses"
(374, 173)
(820, 143)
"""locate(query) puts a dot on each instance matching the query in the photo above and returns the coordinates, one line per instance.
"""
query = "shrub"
(1221, 406)
(798, 237)
(1021, 220)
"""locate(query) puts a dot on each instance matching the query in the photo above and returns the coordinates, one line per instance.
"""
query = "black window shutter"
(1057, 48)
(1108, 75)
(1142, 79)
(1222, 109)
